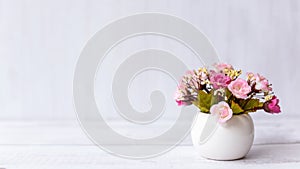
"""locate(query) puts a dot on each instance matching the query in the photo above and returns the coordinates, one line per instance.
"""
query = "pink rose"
(239, 88)
(220, 67)
(260, 82)
(223, 110)
(219, 80)
(272, 106)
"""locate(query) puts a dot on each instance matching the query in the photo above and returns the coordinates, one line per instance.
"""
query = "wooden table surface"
(62, 144)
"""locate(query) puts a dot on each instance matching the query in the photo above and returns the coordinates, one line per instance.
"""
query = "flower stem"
(229, 98)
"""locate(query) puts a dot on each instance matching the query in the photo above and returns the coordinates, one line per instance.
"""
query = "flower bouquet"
(220, 92)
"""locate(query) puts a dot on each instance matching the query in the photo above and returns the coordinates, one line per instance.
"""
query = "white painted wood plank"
(275, 156)
(45, 132)
(69, 132)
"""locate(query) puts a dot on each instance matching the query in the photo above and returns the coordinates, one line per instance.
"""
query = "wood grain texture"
(62, 145)
(41, 41)
(267, 131)
(40, 44)
(275, 156)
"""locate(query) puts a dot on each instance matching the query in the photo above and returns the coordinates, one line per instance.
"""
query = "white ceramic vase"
(229, 141)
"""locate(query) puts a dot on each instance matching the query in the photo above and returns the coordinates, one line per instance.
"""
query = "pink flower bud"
(272, 106)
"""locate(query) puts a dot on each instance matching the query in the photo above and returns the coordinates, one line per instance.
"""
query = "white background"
(40, 42)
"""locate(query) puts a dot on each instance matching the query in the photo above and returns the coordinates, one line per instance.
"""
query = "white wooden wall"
(40, 42)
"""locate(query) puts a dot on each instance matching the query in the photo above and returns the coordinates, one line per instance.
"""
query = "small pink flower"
(272, 106)
(219, 80)
(220, 67)
(180, 103)
(223, 110)
(260, 82)
(179, 95)
(202, 76)
(239, 88)
(183, 96)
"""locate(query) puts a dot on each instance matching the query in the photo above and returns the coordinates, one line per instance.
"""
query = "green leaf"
(261, 104)
(251, 105)
(227, 93)
(204, 101)
(236, 108)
